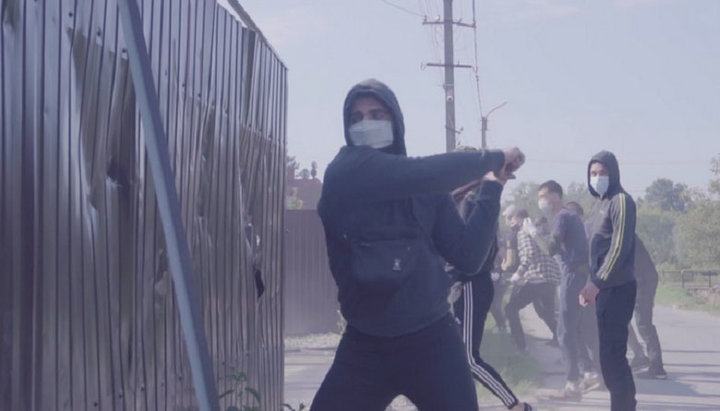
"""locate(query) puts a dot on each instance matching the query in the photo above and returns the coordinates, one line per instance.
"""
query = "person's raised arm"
(367, 175)
(466, 244)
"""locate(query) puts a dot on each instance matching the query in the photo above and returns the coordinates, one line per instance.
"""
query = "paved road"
(691, 351)
(691, 347)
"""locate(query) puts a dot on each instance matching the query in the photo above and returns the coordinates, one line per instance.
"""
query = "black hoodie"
(612, 229)
(390, 223)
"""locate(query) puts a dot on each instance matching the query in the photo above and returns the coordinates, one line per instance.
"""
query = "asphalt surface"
(691, 350)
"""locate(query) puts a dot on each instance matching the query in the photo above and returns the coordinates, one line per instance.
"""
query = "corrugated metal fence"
(311, 304)
(88, 315)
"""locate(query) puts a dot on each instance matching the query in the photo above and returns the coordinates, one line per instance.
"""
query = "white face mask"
(545, 206)
(371, 133)
(600, 184)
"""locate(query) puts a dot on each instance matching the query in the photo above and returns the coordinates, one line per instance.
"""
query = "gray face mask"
(371, 133)
(545, 206)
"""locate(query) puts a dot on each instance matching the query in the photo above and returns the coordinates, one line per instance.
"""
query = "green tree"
(655, 228)
(697, 234)
(579, 193)
(524, 195)
(665, 195)
(715, 169)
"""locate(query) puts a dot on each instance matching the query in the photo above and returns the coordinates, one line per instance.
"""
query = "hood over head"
(377, 89)
(607, 159)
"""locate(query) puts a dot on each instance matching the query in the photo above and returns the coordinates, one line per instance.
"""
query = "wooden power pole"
(449, 66)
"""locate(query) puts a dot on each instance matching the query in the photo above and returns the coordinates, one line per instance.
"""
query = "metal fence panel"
(88, 315)
(311, 304)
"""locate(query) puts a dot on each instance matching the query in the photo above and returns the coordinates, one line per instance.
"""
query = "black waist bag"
(381, 267)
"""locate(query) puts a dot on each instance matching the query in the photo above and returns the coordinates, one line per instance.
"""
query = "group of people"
(403, 232)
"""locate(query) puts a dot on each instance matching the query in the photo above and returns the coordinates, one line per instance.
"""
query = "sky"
(640, 78)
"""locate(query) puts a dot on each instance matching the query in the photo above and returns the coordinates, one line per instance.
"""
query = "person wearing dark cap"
(390, 225)
(612, 285)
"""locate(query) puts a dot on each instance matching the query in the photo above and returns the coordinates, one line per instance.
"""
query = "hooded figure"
(390, 226)
(379, 207)
(612, 228)
(613, 287)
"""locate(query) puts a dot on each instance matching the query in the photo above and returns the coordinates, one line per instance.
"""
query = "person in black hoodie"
(472, 307)
(390, 225)
(612, 285)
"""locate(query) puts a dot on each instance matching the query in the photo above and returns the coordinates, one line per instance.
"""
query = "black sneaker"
(528, 407)
(652, 375)
(638, 363)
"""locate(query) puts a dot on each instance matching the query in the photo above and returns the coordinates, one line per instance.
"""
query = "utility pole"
(449, 77)
(484, 126)
(449, 84)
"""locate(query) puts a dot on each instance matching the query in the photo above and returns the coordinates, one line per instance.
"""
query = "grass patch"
(689, 299)
(520, 371)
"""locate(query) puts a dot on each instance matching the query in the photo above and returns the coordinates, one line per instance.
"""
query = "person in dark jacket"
(471, 309)
(588, 344)
(647, 282)
(390, 225)
(568, 243)
(612, 285)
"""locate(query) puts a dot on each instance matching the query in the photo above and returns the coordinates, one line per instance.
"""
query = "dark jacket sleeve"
(363, 174)
(622, 214)
(557, 234)
(466, 244)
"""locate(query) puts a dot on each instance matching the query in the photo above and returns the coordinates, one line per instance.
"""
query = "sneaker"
(652, 375)
(522, 406)
(571, 392)
(638, 363)
(591, 381)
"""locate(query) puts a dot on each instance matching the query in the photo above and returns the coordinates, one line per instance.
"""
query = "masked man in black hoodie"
(612, 283)
(390, 226)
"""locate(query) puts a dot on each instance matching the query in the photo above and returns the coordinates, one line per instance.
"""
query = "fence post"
(169, 208)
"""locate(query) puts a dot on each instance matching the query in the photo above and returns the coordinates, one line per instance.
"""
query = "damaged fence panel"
(88, 314)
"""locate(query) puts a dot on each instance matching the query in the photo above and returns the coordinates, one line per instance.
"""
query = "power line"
(406, 10)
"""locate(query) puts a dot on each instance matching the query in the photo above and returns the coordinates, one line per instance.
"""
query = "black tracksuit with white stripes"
(471, 309)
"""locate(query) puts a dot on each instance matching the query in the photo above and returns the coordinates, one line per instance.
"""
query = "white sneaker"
(590, 381)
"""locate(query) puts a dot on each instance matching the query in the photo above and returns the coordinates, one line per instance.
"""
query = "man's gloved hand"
(495, 277)
(515, 278)
(529, 228)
